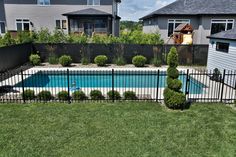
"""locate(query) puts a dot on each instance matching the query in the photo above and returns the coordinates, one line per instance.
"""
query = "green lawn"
(121, 129)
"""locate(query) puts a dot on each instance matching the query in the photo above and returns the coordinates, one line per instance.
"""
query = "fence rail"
(199, 86)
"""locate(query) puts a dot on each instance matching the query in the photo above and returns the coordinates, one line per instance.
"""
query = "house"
(222, 51)
(71, 16)
(205, 16)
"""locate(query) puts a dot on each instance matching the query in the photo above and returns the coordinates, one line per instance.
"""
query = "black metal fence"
(135, 85)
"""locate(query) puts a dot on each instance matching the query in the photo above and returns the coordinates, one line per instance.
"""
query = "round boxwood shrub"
(65, 60)
(45, 95)
(35, 59)
(139, 61)
(28, 95)
(173, 97)
(79, 95)
(130, 95)
(100, 60)
(96, 95)
(116, 95)
(63, 95)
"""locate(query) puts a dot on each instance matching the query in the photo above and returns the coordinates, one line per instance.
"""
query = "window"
(64, 24)
(222, 47)
(93, 2)
(61, 24)
(43, 2)
(22, 25)
(221, 25)
(172, 24)
(2, 28)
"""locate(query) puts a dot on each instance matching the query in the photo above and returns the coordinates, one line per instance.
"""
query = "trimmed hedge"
(65, 60)
(63, 95)
(139, 61)
(79, 95)
(116, 95)
(28, 95)
(35, 59)
(130, 95)
(96, 95)
(101, 60)
(45, 96)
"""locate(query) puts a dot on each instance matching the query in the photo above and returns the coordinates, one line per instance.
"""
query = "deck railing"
(148, 85)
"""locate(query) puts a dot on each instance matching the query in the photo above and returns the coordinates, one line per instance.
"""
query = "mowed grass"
(116, 130)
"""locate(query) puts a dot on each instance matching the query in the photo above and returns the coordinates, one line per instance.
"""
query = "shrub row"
(58, 36)
(101, 60)
(77, 95)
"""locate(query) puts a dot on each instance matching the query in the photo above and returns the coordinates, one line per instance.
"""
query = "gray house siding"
(201, 26)
(2, 11)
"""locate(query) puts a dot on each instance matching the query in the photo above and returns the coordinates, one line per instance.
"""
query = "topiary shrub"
(116, 95)
(139, 61)
(96, 95)
(130, 95)
(156, 62)
(63, 95)
(79, 95)
(45, 95)
(173, 96)
(100, 60)
(65, 60)
(35, 59)
(28, 95)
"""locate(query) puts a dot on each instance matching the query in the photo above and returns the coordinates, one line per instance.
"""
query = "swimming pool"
(105, 79)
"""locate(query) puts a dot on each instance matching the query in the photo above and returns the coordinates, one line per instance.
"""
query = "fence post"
(68, 81)
(223, 84)
(187, 83)
(23, 85)
(157, 92)
(113, 82)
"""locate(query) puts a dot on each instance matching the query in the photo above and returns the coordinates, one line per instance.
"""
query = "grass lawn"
(121, 129)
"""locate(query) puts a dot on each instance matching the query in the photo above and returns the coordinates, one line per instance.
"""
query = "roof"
(197, 7)
(182, 27)
(89, 11)
(229, 35)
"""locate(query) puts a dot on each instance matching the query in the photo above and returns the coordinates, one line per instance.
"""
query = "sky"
(135, 9)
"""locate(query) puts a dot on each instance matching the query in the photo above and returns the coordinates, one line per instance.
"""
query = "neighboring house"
(72, 16)
(206, 17)
(2, 19)
(222, 51)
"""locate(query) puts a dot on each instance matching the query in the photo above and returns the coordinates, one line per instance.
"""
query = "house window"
(43, 2)
(93, 2)
(221, 25)
(172, 24)
(222, 47)
(22, 25)
(61, 24)
(2, 28)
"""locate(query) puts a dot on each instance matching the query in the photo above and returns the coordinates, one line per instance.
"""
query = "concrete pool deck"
(210, 91)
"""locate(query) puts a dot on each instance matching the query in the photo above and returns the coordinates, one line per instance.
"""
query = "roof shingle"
(229, 35)
(197, 7)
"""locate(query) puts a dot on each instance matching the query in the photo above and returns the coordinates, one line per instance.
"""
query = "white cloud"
(135, 9)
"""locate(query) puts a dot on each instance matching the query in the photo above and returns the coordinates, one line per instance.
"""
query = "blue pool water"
(104, 80)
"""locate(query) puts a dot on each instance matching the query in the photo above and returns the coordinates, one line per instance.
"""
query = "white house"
(222, 51)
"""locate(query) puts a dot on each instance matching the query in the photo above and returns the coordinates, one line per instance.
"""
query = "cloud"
(135, 9)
